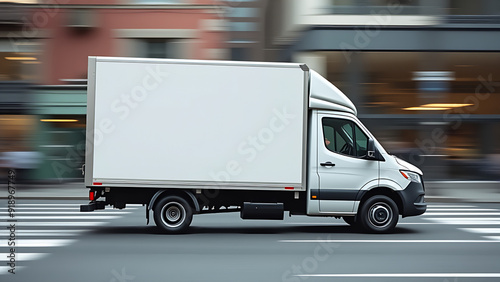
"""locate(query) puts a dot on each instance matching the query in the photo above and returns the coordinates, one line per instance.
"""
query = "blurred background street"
(423, 74)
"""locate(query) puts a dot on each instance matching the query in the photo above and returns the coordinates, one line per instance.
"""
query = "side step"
(262, 211)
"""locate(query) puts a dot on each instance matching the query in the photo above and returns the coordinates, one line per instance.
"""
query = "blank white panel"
(198, 122)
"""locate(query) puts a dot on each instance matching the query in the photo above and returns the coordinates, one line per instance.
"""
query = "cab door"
(343, 167)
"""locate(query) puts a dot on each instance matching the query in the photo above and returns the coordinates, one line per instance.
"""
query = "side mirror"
(370, 150)
(372, 153)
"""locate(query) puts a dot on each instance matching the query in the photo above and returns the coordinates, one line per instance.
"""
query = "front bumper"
(413, 199)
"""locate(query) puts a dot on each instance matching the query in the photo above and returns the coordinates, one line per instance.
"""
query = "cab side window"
(344, 137)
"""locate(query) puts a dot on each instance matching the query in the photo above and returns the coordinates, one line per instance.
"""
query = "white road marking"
(23, 256)
(72, 205)
(32, 238)
(97, 217)
(450, 206)
(22, 243)
(109, 209)
(493, 237)
(458, 210)
(385, 241)
(482, 230)
(414, 223)
(51, 205)
(467, 220)
(43, 233)
(55, 223)
(406, 275)
(63, 212)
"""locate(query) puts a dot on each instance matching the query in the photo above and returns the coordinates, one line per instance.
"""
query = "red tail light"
(92, 195)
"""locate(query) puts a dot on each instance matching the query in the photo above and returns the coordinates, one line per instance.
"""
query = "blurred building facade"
(44, 46)
(423, 74)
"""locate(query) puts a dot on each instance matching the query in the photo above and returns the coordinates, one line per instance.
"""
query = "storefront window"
(18, 66)
(438, 110)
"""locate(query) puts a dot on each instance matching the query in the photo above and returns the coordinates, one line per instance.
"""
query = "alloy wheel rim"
(173, 214)
(380, 215)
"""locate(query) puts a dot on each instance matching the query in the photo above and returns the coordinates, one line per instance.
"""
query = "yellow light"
(446, 105)
(59, 120)
(21, 58)
(425, 109)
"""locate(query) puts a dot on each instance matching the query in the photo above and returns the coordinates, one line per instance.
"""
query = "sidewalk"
(436, 191)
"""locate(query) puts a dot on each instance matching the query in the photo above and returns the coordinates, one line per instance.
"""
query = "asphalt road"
(55, 242)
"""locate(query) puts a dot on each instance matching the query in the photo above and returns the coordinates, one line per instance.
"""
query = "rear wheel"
(379, 214)
(173, 214)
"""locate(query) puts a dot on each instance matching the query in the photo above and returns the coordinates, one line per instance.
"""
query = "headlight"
(412, 176)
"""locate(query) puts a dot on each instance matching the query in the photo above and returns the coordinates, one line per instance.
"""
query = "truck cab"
(350, 173)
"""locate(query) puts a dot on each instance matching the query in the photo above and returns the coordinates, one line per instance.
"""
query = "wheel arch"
(186, 195)
(382, 191)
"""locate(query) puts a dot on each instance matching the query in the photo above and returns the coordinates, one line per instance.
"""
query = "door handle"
(327, 164)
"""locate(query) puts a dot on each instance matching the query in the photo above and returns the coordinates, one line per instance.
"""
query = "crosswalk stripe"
(482, 230)
(97, 217)
(66, 212)
(55, 205)
(52, 230)
(55, 223)
(63, 209)
(23, 256)
(458, 210)
(461, 213)
(21, 243)
(467, 221)
(65, 205)
(466, 218)
(33, 234)
(450, 206)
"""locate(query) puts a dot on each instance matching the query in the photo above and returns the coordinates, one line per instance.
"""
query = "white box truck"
(187, 137)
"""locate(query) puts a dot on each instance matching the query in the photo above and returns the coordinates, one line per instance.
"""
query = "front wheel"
(379, 214)
(173, 214)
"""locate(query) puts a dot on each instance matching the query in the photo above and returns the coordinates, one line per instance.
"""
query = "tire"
(379, 214)
(351, 220)
(173, 214)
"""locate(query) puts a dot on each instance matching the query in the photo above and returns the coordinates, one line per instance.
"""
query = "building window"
(242, 12)
(481, 7)
(243, 26)
(158, 2)
(353, 7)
(240, 54)
(159, 48)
